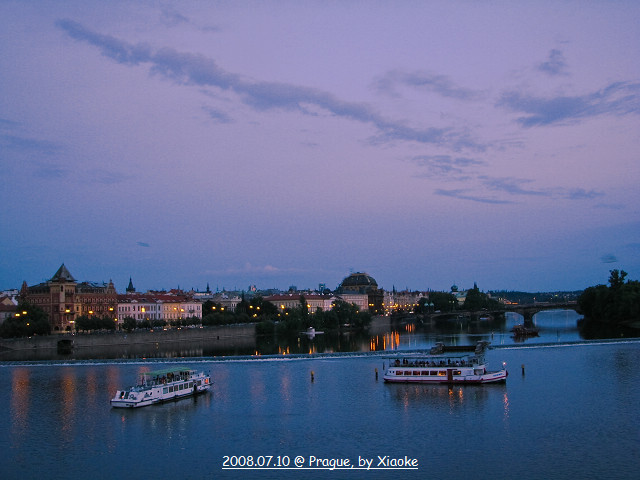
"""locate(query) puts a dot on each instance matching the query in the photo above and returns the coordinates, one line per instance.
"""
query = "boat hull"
(489, 377)
(162, 389)
(127, 403)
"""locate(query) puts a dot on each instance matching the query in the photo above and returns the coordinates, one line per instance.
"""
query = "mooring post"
(522, 369)
(312, 376)
(376, 373)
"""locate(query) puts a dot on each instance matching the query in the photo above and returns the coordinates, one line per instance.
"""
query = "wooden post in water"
(522, 369)
(376, 373)
(312, 376)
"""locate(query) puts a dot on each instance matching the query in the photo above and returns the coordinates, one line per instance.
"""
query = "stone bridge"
(528, 310)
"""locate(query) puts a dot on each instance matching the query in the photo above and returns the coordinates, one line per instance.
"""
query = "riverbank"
(226, 338)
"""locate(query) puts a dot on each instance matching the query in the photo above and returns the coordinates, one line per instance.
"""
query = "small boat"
(522, 331)
(162, 385)
(443, 364)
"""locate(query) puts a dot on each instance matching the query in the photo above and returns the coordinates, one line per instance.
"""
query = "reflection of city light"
(19, 404)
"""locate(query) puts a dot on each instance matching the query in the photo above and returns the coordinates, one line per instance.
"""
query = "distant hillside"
(528, 297)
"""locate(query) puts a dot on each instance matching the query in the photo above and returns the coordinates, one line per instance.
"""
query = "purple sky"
(283, 143)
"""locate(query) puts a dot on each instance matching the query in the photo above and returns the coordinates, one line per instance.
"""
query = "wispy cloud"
(143, 244)
(465, 195)
(555, 64)
(446, 165)
(620, 98)
(507, 190)
(579, 194)
(512, 186)
(25, 144)
(217, 115)
(198, 70)
(441, 85)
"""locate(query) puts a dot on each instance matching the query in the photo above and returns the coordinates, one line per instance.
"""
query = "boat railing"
(439, 362)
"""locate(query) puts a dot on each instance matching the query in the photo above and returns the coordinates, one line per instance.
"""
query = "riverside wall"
(231, 336)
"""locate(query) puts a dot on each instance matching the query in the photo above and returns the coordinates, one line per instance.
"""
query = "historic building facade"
(64, 299)
(358, 286)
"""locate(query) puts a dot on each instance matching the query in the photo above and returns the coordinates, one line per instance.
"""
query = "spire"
(63, 275)
(130, 288)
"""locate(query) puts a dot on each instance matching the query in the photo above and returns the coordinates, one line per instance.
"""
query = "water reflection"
(20, 386)
(384, 334)
(453, 397)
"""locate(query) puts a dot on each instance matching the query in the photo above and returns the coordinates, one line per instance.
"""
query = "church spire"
(130, 288)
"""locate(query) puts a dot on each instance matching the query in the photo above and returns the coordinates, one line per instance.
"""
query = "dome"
(359, 282)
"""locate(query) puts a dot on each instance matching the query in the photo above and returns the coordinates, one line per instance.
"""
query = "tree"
(616, 279)
(476, 300)
(29, 320)
(129, 323)
(445, 302)
(617, 304)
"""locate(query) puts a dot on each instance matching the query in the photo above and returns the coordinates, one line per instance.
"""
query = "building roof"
(358, 282)
(62, 275)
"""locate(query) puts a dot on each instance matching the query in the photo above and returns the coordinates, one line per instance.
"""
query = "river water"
(571, 412)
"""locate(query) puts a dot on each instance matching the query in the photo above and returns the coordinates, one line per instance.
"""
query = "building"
(404, 301)
(358, 286)
(8, 304)
(163, 306)
(139, 307)
(290, 301)
(63, 299)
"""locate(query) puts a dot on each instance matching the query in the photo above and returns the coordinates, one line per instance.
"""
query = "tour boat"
(445, 365)
(162, 385)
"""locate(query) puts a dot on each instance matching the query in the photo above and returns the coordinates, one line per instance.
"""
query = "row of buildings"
(64, 299)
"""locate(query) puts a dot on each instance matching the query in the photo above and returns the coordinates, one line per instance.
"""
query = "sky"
(280, 143)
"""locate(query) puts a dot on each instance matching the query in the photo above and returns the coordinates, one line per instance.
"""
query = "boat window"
(433, 372)
(199, 382)
(442, 373)
(457, 372)
(171, 389)
(416, 372)
(181, 387)
(424, 372)
(398, 372)
(165, 390)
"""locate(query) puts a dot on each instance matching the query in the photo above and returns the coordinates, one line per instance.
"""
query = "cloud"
(217, 115)
(172, 18)
(555, 65)
(423, 81)
(608, 258)
(461, 194)
(580, 194)
(619, 98)
(198, 70)
(512, 186)
(143, 244)
(445, 165)
(24, 144)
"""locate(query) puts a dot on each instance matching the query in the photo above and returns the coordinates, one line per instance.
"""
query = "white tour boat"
(445, 365)
(162, 385)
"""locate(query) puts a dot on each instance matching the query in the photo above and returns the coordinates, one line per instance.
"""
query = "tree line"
(615, 304)
(32, 320)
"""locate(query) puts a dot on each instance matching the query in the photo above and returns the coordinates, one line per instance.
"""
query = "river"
(569, 409)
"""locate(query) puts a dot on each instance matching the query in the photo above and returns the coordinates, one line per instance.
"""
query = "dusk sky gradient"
(282, 143)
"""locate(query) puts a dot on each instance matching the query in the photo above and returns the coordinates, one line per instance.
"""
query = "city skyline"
(291, 143)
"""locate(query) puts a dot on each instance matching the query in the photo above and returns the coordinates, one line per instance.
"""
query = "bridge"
(528, 310)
